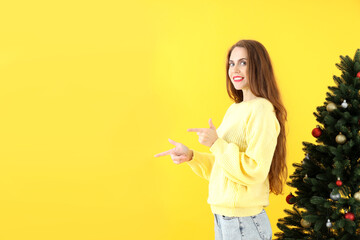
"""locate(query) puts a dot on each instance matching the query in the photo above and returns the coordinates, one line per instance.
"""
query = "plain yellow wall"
(91, 90)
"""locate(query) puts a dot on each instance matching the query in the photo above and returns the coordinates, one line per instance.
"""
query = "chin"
(238, 88)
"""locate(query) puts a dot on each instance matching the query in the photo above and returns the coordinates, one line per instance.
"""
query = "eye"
(243, 62)
(230, 64)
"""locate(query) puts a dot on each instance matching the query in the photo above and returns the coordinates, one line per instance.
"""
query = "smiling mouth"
(238, 79)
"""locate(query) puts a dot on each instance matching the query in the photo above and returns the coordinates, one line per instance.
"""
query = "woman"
(248, 150)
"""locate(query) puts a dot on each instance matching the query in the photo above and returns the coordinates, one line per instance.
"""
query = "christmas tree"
(326, 204)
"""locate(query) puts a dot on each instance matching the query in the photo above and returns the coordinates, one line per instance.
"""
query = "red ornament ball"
(290, 199)
(350, 216)
(358, 75)
(316, 132)
(339, 183)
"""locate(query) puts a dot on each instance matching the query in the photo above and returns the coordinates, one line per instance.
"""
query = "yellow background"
(91, 90)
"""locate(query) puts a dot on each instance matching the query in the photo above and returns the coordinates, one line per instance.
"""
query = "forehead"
(237, 53)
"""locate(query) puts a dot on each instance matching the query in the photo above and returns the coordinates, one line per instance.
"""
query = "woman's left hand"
(207, 136)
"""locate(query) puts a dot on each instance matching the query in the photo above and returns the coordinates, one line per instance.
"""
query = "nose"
(236, 69)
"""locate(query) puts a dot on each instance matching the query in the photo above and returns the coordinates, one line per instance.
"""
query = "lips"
(238, 78)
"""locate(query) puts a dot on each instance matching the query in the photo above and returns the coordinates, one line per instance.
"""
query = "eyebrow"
(238, 60)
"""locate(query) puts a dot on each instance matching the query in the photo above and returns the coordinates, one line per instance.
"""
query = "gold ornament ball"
(305, 223)
(331, 107)
(341, 139)
(357, 196)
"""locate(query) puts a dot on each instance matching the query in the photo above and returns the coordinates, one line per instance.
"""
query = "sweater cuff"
(218, 145)
(194, 161)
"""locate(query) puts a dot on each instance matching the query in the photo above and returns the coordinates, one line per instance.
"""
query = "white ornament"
(344, 104)
(306, 177)
(357, 196)
(335, 196)
(328, 224)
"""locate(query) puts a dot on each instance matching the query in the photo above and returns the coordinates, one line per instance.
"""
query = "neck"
(248, 95)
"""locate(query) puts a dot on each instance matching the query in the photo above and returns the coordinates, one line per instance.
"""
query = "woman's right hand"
(179, 154)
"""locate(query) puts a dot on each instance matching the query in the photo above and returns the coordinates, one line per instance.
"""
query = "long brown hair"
(263, 84)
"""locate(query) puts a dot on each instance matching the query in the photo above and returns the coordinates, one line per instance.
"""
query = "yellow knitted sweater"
(239, 163)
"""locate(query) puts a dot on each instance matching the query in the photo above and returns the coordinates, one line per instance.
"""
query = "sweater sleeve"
(202, 164)
(253, 165)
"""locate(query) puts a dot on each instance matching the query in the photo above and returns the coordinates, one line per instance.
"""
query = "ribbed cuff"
(218, 145)
(195, 160)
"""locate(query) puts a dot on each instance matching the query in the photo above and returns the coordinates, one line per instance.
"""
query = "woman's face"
(238, 68)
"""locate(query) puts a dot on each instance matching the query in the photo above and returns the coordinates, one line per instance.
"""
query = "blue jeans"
(255, 227)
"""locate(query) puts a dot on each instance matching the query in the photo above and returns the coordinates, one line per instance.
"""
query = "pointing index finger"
(163, 153)
(195, 129)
